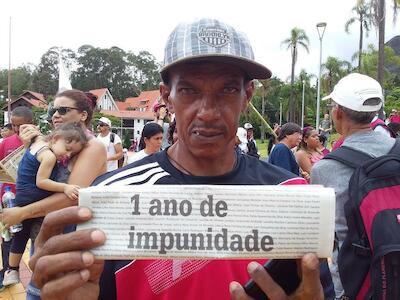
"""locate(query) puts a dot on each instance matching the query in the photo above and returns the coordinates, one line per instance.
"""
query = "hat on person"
(353, 90)
(241, 133)
(211, 40)
(105, 121)
(248, 126)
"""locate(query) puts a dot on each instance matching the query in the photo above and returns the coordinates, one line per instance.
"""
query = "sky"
(145, 25)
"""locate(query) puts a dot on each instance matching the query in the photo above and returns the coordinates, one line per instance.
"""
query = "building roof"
(99, 93)
(145, 100)
(130, 114)
(38, 96)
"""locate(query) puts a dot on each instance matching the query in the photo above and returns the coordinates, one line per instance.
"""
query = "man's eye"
(230, 90)
(188, 91)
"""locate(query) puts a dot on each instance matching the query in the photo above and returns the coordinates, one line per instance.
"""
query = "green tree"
(21, 79)
(333, 70)
(144, 70)
(297, 37)
(379, 11)
(364, 17)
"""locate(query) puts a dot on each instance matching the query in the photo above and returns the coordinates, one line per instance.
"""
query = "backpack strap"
(396, 148)
(349, 156)
(112, 137)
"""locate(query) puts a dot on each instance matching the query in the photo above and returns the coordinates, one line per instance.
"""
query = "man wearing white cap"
(251, 142)
(207, 80)
(355, 101)
(111, 141)
(241, 142)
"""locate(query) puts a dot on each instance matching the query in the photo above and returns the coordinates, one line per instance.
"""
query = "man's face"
(207, 99)
(102, 127)
(249, 134)
(16, 122)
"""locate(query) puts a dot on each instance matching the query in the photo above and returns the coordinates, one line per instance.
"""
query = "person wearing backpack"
(111, 141)
(355, 101)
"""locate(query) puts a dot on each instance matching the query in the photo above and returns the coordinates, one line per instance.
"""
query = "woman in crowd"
(150, 141)
(71, 106)
(282, 155)
(307, 153)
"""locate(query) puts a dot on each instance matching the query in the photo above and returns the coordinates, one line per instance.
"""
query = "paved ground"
(17, 291)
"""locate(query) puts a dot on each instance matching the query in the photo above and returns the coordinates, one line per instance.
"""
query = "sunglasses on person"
(101, 124)
(62, 110)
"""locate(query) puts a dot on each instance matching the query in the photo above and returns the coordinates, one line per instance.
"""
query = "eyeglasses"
(101, 124)
(62, 110)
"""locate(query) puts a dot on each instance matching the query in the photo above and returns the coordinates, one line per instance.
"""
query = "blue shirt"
(283, 157)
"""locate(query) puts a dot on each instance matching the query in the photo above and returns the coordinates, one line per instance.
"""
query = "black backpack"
(369, 259)
(252, 149)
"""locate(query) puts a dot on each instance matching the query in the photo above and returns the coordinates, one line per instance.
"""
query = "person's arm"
(303, 160)
(47, 161)
(118, 152)
(162, 113)
(89, 164)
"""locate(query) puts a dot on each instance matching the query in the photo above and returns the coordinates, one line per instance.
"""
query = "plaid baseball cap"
(211, 40)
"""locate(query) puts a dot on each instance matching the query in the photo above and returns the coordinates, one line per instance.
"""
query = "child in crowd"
(36, 172)
(322, 141)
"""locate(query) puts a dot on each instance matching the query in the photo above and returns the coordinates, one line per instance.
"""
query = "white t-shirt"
(106, 140)
(137, 156)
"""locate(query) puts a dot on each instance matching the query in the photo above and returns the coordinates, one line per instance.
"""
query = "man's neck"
(355, 128)
(285, 142)
(187, 163)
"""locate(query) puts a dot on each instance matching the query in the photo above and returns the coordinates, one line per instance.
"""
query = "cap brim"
(327, 97)
(254, 70)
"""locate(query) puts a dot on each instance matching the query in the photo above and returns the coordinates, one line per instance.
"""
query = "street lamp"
(321, 30)
(302, 106)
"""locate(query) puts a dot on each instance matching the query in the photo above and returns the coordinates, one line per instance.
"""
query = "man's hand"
(27, 132)
(310, 286)
(63, 268)
(71, 191)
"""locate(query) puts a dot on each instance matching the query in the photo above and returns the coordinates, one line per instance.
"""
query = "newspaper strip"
(211, 221)
(9, 165)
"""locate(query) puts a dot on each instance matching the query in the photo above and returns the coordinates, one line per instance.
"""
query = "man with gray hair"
(355, 101)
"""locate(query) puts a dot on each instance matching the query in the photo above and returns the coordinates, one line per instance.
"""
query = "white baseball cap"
(105, 121)
(247, 126)
(354, 89)
(241, 133)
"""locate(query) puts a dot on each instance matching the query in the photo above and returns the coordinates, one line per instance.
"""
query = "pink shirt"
(7, 146)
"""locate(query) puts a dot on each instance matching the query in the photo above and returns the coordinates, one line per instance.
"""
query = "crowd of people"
(195, 138)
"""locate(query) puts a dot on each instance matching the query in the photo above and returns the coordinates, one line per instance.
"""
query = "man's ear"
(164, 94)
(249, 91)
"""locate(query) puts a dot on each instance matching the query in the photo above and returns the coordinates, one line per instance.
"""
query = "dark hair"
(23, 112)
(83, 101)
(288, 129)
(149, 130)
(8, 126)
(71, 132)
(171, 130)
(306, 134)
(322, 139)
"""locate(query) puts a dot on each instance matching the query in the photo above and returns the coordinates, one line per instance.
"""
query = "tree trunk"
(360, 45)
(291, 99)
(381, 50)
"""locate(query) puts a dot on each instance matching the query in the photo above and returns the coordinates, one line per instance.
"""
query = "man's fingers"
(78, 240)
(311, 283)
(47, 267)
(62, 286)
(237, 292)
(55, 221)
(265, 281)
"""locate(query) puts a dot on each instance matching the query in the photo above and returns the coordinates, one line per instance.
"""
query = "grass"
(262, 148)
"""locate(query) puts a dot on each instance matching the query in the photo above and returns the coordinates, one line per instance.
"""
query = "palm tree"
(364, 16)
(378, 8)
(297, 37)
(334, 69)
